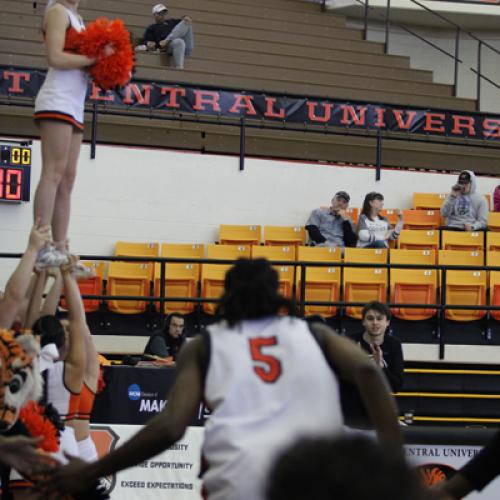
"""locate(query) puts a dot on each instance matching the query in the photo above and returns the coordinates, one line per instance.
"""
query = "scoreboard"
(15, 172)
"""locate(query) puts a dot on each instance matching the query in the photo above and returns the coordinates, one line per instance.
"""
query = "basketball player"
(267, 378)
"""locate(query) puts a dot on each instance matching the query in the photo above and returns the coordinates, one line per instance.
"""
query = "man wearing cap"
(463, 208)
(175, 36)
(331, 227)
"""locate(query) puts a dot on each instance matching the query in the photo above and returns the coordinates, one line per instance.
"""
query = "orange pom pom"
(32, 416)
(109, 71)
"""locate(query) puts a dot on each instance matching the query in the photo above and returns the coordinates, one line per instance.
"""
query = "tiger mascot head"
(20, 379)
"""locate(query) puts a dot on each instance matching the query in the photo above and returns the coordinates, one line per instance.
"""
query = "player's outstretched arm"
(354, 366)
(161, 432)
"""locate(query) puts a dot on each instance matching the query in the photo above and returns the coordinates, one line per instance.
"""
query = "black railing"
(440, 306)
(386, 17)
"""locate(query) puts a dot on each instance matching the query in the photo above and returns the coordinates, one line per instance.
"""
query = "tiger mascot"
(20, 377)
(20, 382)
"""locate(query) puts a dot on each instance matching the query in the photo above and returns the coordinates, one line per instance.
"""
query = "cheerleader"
(59, 112)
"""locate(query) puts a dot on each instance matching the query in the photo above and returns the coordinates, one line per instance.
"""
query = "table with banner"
(135, 394)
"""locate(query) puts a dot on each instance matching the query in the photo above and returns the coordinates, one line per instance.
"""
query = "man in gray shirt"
(331, 227)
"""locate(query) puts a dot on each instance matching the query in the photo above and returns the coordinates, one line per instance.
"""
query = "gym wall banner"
(174, 473)
(437, 462)
(277, 108)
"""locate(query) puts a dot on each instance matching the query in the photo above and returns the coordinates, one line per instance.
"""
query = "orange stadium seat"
(284, 235)
(493, 259)
(285, 273)
(322, 283)
(462, 240)
(464, 287)
(413, 239)
(391, 214)
(421, 219)
(128, 278)
(493, 241)
(90, 286)
(364, 284)
(134, 249)
(239, 235)
(417, 286)
(494, 221)
(213, 275)
(181, 279)
(428, 201)
(353, 213)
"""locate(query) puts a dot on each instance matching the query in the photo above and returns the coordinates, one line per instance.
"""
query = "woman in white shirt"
(374, 230)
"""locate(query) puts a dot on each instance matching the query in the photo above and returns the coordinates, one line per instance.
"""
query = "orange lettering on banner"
(139, 97)
(270, 113)
(96, 95)
(463, 122)
(491, 128)
(174, 93)
(380, 123)
(349, 115)
(16, 80)
(398, 114)
(206, 98)
(434, 122)
(311, 111)
(243, 101)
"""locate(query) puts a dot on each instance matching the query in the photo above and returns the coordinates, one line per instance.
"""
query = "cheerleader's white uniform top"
(62, 95)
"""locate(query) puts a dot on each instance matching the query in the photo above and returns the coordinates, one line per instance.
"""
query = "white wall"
(138, 194)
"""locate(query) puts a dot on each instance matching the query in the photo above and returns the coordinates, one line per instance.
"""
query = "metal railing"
(386, 17)
(299, 295)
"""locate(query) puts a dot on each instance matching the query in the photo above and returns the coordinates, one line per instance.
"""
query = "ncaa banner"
(268, 107)
(172, 474)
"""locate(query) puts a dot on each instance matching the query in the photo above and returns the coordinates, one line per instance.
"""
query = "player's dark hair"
(251, 292)
(343, 468)
(50, 330)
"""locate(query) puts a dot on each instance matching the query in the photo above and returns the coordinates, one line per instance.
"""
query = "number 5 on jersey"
(271, 371)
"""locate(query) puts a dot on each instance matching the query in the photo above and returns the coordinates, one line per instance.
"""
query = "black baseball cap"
(464, 178)
(344, 195)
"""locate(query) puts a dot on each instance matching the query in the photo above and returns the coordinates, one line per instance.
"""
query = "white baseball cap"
(159, 7)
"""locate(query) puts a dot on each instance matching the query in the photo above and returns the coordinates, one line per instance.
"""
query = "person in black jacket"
(175, 36)
(386, 353)
(168, 341)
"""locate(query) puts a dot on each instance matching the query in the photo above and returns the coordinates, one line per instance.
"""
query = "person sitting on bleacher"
(464, 208)
(374, 230)
(332, 227)
(175, 36)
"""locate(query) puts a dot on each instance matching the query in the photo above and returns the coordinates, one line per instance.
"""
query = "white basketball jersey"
(268, 384)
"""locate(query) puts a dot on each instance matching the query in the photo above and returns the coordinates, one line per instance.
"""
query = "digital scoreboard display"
(15, 173)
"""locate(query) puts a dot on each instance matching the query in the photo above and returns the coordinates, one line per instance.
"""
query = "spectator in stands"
(496, 199)
(375, 231)
(175, 36)
(384, 350)
(464, 209)
(332, 227)
(254, 369)
(342, 468)
(168, 342)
